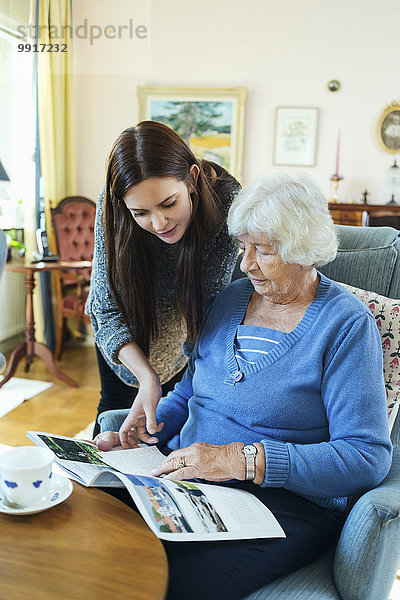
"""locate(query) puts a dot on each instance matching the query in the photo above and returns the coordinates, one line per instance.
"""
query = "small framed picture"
(295, 136)
(389, 129)
(210, 120)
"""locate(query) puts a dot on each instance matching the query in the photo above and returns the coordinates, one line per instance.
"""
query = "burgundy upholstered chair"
(73, 223)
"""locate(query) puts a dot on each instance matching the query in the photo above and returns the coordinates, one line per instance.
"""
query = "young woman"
(162, 254)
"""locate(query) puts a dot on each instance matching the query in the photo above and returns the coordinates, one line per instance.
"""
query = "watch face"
(249, 450)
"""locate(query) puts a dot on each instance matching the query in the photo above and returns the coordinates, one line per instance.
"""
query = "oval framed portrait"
(389, 129)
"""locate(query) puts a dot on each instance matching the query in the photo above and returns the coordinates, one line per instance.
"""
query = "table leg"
(16, 356)
(30, 347)
(29, 319)
(44, 352)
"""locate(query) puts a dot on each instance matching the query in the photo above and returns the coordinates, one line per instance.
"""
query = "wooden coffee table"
(90, 547)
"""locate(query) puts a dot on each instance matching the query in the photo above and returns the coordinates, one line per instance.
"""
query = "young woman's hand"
(106, 440)
(140, 425)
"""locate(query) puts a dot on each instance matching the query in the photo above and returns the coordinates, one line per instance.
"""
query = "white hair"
(291, 212)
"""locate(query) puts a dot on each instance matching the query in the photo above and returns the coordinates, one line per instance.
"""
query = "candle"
(337, 154)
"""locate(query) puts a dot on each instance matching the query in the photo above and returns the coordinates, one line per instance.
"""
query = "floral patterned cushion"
(387, 316)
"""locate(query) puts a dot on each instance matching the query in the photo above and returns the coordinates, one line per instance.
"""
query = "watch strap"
(249, 451)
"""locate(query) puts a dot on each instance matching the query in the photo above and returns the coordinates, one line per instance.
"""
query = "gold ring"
(182, 464)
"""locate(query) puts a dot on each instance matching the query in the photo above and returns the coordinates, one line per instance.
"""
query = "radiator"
(12, 305)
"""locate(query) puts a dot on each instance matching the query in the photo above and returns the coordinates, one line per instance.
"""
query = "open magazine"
(174, 510)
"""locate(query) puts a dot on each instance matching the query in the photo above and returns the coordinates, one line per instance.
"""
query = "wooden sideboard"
(364, 215)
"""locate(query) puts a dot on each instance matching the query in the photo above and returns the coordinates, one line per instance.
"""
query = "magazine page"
(174, 510)
(189, 511)
(84, 462)
(136, 461)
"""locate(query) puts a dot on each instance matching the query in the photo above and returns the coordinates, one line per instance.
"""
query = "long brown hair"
(152, 149)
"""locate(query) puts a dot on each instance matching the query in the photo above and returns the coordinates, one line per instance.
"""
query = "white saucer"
(60, 489)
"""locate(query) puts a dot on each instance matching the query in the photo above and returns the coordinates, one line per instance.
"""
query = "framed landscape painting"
(210, 120)
(295, 136)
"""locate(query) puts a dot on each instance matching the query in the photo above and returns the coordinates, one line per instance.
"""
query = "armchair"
(73, 223)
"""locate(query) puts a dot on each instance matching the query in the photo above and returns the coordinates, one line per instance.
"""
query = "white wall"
(284, 53)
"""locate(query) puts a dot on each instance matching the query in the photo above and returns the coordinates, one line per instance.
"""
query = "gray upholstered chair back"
(368, 258)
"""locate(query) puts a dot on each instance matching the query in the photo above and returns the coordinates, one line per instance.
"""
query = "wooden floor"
(61, 409)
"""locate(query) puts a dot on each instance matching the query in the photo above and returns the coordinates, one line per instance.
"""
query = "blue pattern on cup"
(10, 484)
(37, 483)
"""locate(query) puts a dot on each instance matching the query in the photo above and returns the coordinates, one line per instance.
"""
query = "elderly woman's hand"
(204, 461)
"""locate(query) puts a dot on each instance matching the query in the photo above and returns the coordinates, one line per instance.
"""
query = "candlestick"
(337, 154)
(335, 178)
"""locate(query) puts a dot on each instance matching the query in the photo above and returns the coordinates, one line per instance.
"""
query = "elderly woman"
(283, 396)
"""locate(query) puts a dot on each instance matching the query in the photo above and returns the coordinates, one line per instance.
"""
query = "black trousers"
(115, 394)
(229, 570)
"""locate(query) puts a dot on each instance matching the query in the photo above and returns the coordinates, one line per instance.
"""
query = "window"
(17, 197)
(16, 131)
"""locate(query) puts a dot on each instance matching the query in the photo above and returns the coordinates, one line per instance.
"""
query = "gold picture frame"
(210, 120)
(389, 128)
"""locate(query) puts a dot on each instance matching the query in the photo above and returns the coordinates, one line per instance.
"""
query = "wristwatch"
(250, 452)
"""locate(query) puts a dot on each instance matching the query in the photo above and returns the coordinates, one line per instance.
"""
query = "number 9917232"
(42, 47)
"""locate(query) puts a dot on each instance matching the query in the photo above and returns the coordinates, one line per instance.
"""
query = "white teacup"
(26, 474)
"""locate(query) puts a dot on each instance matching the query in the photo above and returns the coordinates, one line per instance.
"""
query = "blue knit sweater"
(316, 402)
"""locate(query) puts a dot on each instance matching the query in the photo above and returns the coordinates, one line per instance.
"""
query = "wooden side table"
(30, 347)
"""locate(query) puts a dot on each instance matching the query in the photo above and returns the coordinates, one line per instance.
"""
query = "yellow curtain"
(56, 123)
(55, 115)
